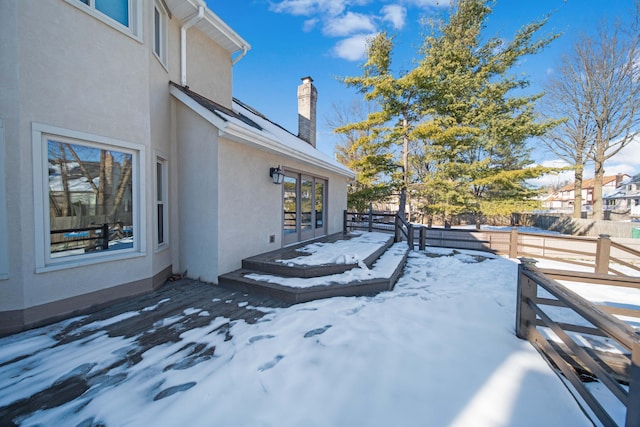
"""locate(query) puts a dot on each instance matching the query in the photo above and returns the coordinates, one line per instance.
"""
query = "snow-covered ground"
(438, 350)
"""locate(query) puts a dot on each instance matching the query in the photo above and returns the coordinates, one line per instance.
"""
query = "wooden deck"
(270, 264)
(143, 317)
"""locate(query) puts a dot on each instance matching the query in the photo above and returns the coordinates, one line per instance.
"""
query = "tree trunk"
(577, 191)
(597, 191)
(405, 170)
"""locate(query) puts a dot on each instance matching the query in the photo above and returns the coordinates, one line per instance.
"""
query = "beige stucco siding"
(208, 68)
(250, 204)
(197, 188)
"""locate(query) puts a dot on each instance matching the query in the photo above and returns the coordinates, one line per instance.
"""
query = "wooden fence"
(562, 343)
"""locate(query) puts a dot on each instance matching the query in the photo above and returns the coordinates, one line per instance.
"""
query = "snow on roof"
(246, 125)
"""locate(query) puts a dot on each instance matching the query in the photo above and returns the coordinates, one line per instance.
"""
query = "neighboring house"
(117, 119)
(626, 198)
(562, 200)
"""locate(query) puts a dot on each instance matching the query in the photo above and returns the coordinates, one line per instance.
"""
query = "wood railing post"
(370, 217)
(344, 222)
(410, 236)
(603, 253)
(513, 243)
(398, 232)
(105, 236)
(423, 238)
(633, 408)
(527, 290)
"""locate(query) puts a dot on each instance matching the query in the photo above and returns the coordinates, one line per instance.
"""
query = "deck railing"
(563, 343)
(77, 237)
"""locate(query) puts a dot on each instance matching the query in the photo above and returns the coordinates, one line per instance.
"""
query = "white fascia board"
(197, 108)
(247, 136)
(218, 26)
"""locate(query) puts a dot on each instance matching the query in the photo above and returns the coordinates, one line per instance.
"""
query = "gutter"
(183, 42)
(245, 49)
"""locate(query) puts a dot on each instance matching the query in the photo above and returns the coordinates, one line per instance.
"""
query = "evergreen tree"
(477, 119)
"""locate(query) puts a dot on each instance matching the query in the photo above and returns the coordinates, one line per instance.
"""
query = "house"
(626, 198)
(124, 157)
(562, 200)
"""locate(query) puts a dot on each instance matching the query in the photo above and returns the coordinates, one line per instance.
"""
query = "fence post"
(527, 290)
(513, 243)
(398, 233)
(105, 236)
(410, 236)
(344, 222)
(423, 238)
(603, 252)
(633, 409)
(370, 217)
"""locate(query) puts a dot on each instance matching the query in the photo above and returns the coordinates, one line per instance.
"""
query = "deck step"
(389, 264)
(275, 262)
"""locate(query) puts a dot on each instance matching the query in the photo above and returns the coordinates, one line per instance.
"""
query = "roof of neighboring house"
(248, 126)
(622, 192)
(590, 183)
(210, 24)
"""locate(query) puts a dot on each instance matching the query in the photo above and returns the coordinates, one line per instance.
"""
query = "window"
(120, 14)
(160, 32)
(162, 217)
(87, 191)
(4, 254)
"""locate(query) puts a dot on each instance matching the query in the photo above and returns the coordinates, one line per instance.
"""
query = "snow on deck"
(438, 350)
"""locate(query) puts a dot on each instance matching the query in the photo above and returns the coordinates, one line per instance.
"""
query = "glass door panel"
(319, 207)
(290, 204)
(306, 201)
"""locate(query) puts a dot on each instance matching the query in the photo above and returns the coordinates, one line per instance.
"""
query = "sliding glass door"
(304, 204)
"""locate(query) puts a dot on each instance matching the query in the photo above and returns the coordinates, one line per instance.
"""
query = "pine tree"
(477, 120)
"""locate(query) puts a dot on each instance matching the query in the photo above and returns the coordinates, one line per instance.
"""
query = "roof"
(622, 192)
(211, 25)
(590, 183)
(246, 125)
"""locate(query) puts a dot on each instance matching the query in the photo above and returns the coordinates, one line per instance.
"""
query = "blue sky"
(325, 39)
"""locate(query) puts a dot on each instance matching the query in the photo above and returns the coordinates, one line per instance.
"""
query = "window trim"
(163, 36)
(161, 159)
(4, 239)
(133, 30)
(44, 262)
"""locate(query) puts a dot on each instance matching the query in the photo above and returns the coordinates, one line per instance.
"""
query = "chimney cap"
(304, 79)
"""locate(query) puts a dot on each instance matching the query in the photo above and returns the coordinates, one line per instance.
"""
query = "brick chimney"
(307, 98)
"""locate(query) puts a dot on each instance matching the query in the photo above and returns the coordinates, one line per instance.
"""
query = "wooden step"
(238, 280)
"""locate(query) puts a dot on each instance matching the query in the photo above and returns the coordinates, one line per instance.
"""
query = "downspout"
(183, 43)
(239, 57)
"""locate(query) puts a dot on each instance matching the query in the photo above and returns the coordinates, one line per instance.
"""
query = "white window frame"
(134, 29)
(4, 239)
(40, 134)
(161, 32)
(161, 159)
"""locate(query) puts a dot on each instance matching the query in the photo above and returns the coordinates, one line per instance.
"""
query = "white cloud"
(353, 48)
(348, 24)
(310, 24)
(396, 14)
(430, 3)
(314, 7)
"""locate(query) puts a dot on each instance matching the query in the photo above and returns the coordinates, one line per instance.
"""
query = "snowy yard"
(438, 350)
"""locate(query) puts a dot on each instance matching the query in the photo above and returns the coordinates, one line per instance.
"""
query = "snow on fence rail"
(562, 342)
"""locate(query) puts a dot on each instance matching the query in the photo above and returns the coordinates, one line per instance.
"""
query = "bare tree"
(573, 139)
(608, 89)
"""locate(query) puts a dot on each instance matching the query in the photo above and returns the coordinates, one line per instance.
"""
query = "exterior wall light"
(277, 174)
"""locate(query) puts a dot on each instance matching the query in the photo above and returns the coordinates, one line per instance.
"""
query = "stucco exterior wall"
(208, 68)
(197, 158)
(250, 205)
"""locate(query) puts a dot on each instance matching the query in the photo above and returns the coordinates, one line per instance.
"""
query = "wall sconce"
(277, 174)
